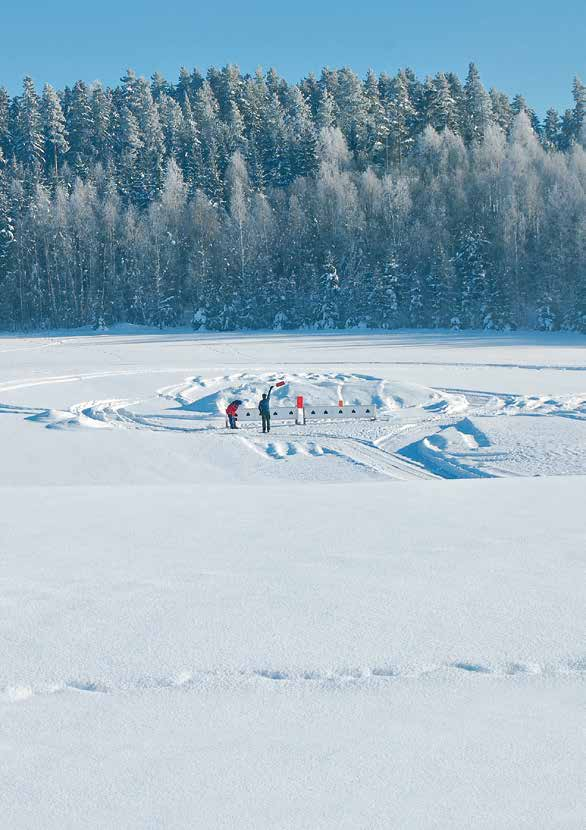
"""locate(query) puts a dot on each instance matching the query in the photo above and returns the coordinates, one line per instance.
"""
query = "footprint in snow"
(477, 668)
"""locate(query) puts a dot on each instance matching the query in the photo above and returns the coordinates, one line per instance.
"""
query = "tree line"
(243, 201)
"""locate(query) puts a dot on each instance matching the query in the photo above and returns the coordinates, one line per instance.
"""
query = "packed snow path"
(318, 628)
(420, 432)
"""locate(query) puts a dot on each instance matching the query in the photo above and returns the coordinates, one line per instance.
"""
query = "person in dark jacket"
(264, 408)
(232, 413)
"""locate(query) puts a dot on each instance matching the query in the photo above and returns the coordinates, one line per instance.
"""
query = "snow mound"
(206, 396)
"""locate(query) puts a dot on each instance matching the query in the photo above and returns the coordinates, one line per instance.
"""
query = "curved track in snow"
(421, 432)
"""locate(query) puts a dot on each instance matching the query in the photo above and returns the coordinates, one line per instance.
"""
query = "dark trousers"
(266, 422)
(232, 419)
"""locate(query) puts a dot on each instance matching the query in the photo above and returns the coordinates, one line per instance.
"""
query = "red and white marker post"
(300, 419)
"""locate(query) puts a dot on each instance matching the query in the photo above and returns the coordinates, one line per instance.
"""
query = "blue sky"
(531, 47)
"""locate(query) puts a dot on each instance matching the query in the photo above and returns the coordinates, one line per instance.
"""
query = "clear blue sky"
(531, 47)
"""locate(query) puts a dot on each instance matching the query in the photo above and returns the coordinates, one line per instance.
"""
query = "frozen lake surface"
(347, 624)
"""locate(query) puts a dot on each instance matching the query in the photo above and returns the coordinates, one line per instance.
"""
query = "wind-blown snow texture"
(344, 625)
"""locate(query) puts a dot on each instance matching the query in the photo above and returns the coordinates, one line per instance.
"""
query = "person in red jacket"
(232, 413)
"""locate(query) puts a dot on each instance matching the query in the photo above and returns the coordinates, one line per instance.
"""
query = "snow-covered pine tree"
(567, 131)
(4, 123)
(171, 215)
(104, 124)
(328, 311)
(435, 291)
(129, 179)
(478, 106)
(580, 313)
(579, 114)
(377, 122)
(150, 160)
(401, 115)
(352, 111)
(326, 111)
(442, 108)
(189, 155)
(416, 302)
(171, 117)
(551, 130)
(183, 89)
(7, 228)
(519, 104)
(7, 238)
(302, 137)
(239, 197)
(548, 311)
(383, 308)
(54, 126)
(160, 86)
(28, 131)
(471, 269)
(273, 143)
(205, 112)
(498, 303)
(235, 138)
(502, 114)
(80, 128)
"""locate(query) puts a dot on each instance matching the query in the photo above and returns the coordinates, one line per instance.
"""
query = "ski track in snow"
(421, 433)
(341, 678)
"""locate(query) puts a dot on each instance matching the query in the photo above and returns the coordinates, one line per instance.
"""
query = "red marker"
(300, 419)
(280, 383)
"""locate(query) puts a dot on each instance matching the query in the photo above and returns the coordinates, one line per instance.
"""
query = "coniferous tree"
(160, 86)
(273, 143)
(189, 154)
(54, 125)
(80, 127)
(519, 104)
(442, 107)
(4, 123)
(401, 117)
(551, 129)
(302, 137)
(326, 111)
(7, 228)
(130, 147)
(352, 108)
(471, 268)
(383, 309)
(103, 124)
(377, 122)
(478, 106)
(329, 296)
(432, 219)
(206, 116)
(579, 93)
(150, 161)
(567, 130)
(502, 113)
(28, 130)
(171, 118)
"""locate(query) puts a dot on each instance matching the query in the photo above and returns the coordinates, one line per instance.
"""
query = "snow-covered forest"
(238, 201)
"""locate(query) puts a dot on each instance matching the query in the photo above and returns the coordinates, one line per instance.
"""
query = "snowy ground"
(350, 624)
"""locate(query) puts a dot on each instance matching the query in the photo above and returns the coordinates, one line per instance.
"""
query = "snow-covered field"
(347, 624)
